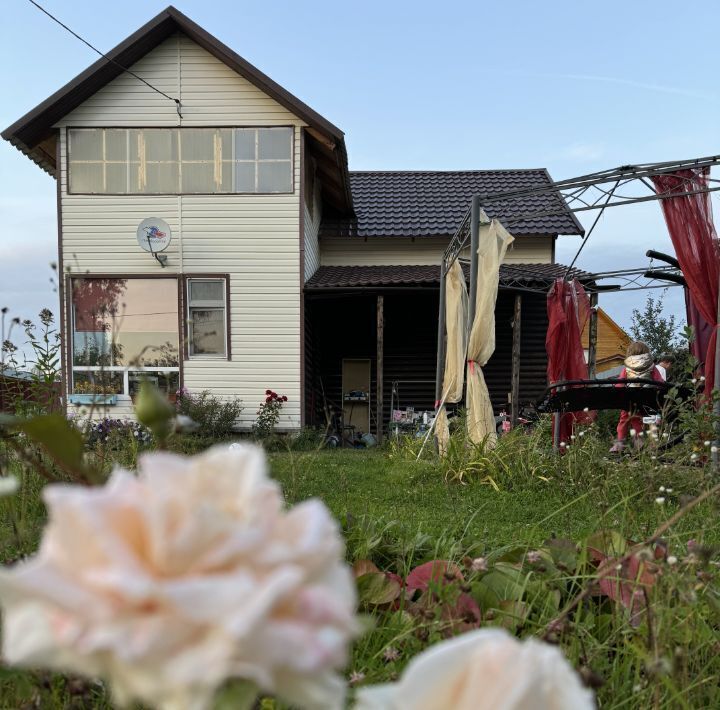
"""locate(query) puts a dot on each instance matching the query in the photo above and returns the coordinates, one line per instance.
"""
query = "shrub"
(114, 431)
(38, 389)
(213, 416)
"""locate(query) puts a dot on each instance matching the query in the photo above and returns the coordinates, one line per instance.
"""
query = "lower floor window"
(127, 330)
(124, 331)
(207, 317)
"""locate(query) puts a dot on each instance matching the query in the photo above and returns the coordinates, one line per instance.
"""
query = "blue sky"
(571, 86)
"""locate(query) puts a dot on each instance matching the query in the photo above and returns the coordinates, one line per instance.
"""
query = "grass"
(414, 496)
(399, 512)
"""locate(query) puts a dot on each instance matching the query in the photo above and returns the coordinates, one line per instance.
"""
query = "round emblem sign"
(153, 234)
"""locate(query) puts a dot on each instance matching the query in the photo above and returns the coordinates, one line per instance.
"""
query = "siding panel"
(253, 238)
(425, 251)
(312, 228)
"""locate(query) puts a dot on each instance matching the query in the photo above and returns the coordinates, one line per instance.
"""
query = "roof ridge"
(447, 172)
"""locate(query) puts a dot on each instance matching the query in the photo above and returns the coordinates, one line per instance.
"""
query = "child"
(664, 365)
(639, 365)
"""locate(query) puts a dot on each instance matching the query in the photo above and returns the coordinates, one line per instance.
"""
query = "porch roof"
(352, 277)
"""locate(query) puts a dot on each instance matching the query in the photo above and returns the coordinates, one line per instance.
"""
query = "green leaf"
(375, 589)
(563, 552)
(153, 409)
(236, 695)
(514, 555)
(506, 582)
(513, 614)
(608, 542)
(61, 440)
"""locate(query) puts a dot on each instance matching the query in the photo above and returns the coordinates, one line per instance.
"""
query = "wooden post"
(592, 336)
(380, 348)
(515, 378)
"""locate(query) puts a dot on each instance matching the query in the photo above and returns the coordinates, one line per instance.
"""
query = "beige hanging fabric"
(493, 242)
(456, 313)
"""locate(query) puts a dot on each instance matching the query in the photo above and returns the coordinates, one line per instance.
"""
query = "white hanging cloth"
(456, 314)
(493, 242)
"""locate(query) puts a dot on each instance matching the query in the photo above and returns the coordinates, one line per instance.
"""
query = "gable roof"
(433, 203)
(511, 275)
(33, 133)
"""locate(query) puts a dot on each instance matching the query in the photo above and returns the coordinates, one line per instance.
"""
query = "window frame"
(125, 370)
(187, 279)
(132, 164)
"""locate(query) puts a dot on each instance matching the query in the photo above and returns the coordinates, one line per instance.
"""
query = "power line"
(105, 56)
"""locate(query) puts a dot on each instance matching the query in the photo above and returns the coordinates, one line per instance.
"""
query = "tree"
(661, 333)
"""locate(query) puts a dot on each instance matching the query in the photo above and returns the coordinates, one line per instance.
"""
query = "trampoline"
(642, 397)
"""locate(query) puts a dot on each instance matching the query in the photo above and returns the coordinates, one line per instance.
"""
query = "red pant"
(626, 423)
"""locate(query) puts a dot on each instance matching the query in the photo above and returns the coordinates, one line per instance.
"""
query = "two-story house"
(211, 236)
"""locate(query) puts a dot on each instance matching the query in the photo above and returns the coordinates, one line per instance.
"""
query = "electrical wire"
(105, 56)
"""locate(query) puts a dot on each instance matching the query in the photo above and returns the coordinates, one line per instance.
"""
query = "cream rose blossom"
(169, 582)
(486, 669)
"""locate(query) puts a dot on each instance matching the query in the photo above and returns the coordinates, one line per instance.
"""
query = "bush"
(268, 414)
(115, 432)
(212, 416)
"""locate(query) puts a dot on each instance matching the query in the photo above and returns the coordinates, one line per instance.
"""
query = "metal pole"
(592, 336)
(474, 244)
(556, 424)
(716, 388)
(440, 361)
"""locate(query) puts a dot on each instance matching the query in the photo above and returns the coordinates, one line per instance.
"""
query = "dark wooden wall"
(345, 327)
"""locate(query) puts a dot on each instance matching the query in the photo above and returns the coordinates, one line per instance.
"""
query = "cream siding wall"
(312, 228)
(388, 251)
(254, 238)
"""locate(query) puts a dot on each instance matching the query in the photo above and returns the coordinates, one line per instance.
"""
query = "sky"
(571, 86)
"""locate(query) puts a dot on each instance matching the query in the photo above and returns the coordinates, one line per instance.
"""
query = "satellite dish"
(154, 235)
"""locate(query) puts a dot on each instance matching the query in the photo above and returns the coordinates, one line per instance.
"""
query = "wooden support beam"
(515, 378)
(320, 138)
(592, 336)
(379, 365)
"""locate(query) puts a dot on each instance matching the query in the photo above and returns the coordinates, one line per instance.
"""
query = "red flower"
(284, 399)
(268, 392)
(268, 400)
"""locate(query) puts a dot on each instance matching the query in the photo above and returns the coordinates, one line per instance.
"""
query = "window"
(124, 331)
(180, 160)
(207, 317)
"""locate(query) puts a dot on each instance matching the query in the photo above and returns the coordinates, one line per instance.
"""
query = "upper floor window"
(174, 161)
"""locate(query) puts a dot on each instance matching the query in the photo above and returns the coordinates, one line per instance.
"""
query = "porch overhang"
(513, 277)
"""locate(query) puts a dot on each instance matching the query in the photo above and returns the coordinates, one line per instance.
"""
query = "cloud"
(661, 88)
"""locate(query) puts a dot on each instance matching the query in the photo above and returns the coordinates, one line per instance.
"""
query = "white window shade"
(180, 160)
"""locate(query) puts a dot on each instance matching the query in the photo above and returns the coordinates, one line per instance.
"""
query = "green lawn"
(573, 504)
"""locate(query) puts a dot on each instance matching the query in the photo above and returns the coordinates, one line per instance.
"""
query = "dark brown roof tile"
(527, 275)
(432, 204)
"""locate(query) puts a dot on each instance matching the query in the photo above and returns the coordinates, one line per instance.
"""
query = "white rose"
(487, 669)
(169, 582)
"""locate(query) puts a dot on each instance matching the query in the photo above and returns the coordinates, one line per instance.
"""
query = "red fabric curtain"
(703, 331)
(690, 223)
(568, 308)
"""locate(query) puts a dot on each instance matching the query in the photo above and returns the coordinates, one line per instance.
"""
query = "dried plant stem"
(609, 569)
(33, 461)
